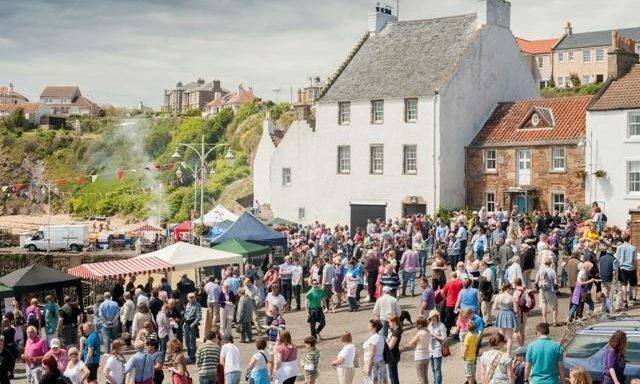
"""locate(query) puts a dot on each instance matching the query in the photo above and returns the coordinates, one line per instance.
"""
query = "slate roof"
(596, 38)
(505, 126)
(535, 47)
(620, 93)
(59, 91)
(406, 58)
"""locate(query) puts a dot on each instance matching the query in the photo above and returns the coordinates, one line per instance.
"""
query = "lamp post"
(583, 142)
(202, 156)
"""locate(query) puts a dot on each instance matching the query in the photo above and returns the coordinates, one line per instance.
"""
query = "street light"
(176, 154)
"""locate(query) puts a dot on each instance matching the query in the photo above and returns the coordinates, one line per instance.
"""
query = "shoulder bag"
(492, 369)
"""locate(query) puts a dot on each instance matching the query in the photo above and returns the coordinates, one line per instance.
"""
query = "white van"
(63, 238)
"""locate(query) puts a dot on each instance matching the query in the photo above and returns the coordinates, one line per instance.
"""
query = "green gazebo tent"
(245, 248)
(5, 292)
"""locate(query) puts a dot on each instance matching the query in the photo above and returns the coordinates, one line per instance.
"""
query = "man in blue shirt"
(626, 255)
(109, 312)
(544, 359)
(427, 298)
(91, 352)
(142, 363)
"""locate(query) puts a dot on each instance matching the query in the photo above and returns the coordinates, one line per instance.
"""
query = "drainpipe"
(436, 98)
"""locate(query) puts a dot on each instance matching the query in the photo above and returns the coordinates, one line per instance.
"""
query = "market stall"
(121, 268)
(252, 253)
(217, 215)
(188, 256)
(249, 228)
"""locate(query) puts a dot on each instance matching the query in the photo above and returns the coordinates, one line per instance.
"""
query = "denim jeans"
(408, 277)
(385, 329)
(207, 379)
(436, 366)
(422, 257)
(392, 369)
(232, 377)
(107, 335)
(190, 340)
(163, 346)
(353, 304)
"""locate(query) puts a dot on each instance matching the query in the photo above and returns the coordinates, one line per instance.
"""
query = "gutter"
(436, 98)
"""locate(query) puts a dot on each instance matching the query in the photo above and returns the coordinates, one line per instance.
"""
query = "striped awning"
(121, 268)
(147, 228)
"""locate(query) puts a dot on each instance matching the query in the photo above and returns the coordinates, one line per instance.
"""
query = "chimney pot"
(622, 56)
(216, 85)
(494, 12)
(380, 18)
(568, 29)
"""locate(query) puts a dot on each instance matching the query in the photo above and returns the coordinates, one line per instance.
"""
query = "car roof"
(627, 324)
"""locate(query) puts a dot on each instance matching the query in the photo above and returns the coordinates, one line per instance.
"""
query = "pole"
(160, 207)
(202, 178)
(49, 219)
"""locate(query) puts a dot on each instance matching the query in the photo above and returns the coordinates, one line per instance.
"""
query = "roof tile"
(535, 47)
(620, 93)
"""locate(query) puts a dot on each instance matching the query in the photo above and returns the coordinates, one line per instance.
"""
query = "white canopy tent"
(188, 256)
(218, 215)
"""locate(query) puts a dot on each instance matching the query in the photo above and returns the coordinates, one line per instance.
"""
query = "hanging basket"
(581, 174)
(600, 173)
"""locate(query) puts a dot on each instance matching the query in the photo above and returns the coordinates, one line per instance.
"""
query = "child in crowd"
(462, 324)
(352, 289)
(311, 361)
(605, 308)
(469, 347)
(273, 333)
(564, 276)
(519, 365)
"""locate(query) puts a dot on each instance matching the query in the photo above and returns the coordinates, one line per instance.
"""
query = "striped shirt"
(192, 313)
(392, 280)
(207, 359)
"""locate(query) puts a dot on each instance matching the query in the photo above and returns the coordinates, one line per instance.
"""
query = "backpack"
(64, 380)
(604, 218)
(32, 320)
(543, 284)
(527, 300)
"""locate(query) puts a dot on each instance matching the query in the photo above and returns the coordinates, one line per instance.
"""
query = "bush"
(445, 215)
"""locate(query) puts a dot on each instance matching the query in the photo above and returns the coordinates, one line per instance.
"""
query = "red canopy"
(184, 227)
(121, 268)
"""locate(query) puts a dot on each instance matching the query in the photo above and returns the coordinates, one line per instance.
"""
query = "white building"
(613, 136)
(392, 124)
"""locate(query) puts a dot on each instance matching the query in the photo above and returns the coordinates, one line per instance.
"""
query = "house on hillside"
(392, 124)
(538, 56)
(612, 142)
(8, 95)
(193, 95)
(33, 112)
(231, 100)
(66, 101)
(527, 155)
(585, 54)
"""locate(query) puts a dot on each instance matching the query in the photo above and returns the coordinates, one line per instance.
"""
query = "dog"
(405, 315)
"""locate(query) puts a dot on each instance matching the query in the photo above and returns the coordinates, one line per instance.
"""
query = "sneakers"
(319, 337)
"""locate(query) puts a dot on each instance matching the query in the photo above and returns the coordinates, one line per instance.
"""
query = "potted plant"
(581, 173)
(600, 173)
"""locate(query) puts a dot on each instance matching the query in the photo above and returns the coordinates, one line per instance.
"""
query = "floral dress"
(499, 375)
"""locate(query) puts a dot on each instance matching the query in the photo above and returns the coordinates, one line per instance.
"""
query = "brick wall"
(478, 182)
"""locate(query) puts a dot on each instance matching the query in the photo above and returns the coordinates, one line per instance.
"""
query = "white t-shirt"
(75, 373)
(348, 354)
(275, 301)
(117, 369)
(422, 348)
(261, 359)
(231, 356)
(378, 341)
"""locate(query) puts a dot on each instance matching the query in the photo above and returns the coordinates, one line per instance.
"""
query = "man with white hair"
(109, 312)
(547, 284)
(192, 317)
(386, 307)
(514, 270)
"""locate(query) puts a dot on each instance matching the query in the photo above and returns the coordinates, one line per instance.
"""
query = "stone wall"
(545, 182)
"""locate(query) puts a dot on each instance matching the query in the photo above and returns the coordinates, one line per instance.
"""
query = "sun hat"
(432, 313)
(386, 289)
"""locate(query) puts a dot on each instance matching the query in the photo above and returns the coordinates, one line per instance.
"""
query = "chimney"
(141, 106)
(300, 96)
(621, 55)
(267, 124)
(200, 81)
(301, 112)
(216, 85)
(568, 29)
(217, 95)
(380, 18)
(11, 88)
(251, 90)
(240, 89)
(494, 12)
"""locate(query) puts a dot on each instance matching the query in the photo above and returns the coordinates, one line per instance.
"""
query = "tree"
(18, 117)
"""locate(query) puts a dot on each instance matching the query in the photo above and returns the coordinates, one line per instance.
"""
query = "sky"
(125, 51)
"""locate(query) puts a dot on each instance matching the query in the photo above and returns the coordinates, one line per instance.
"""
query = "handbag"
(446, 352)
(492, 369)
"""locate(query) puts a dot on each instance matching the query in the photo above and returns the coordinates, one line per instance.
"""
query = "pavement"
(356, 323)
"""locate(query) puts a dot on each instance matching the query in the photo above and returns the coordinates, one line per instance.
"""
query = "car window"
(583, 346)
(633, 351)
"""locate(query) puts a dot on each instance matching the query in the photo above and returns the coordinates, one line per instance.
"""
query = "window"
(634, 124)
(586, 56)
(301, 213)
(560, 81)
(599, 55)
(410, 110)
(560, 57)
(599, 78)
(344, 159)
(638, 48)
(558, 159)
(490, 201)
(567, 81)
(540, 62)
(377, 111)
(571, 56)
(344, 113)
(586, 79)
(544, 84)
(376, 162)
(557, 202)
(490, 160)
(410, 159)
(633, 171)
(286, 176)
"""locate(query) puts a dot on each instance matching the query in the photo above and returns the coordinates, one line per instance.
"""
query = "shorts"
(93, 372)
(548, 299)
(628, 277)
(328, 291)
(469, 369)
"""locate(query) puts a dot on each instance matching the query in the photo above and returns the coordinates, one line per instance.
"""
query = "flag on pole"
(80, 180)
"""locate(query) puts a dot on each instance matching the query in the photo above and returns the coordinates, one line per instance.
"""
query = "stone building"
(8, 95)
(527, 154)
(391, 125)
(193, 95)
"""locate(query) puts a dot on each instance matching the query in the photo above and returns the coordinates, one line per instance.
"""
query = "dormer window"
(539, 118)
(535, 119)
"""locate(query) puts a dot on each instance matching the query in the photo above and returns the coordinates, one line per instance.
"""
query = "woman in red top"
(450, 291)
(286, 358)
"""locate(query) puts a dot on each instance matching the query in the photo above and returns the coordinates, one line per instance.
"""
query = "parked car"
(588, 347)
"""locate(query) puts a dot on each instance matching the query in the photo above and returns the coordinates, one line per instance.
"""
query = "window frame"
(586, 59)
(374, 111)
(302, 213)
(582, 82)
(555, 203)
(405, 159)
(486, 200)
(560, 82)
(372, 159)
(553, 167)
(571, 56)
(560, 57)
(339, 169)
(284, 182)
(342, 114)
(486, 159)
(629, 181)
(632, 115)
(540, 62)
(599, 55)
(407, 118)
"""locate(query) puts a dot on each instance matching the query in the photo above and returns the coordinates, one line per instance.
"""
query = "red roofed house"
(32, 111)
(527, 154)
(232, 100)
(538, 55)
(9, 96)
(66, 101)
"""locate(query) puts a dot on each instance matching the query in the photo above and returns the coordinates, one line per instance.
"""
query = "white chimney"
(494, 12)
(11, 88)
(380, 17)
(267, 124)
(141, 107)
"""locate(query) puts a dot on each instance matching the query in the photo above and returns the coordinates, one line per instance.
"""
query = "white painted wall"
(610, 150)
(492, 70)
(261, 165)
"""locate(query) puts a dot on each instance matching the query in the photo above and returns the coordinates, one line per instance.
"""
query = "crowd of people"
(476, 276)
